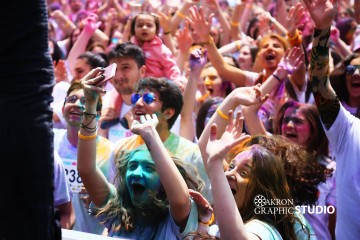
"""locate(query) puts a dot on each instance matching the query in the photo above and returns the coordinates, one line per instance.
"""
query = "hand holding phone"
(110, 72)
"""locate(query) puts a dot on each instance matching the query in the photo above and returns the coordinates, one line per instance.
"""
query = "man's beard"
(125, 90)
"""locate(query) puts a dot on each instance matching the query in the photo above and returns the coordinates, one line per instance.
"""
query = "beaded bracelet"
(222, 115)
(87, 138)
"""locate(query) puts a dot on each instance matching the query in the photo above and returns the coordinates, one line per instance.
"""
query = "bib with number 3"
(72, 175)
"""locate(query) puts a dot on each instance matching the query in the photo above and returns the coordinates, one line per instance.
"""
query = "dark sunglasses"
(350, 69)
(74, 98)
(147, 97)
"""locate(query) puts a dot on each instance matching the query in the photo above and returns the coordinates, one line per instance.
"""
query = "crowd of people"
(224, 120)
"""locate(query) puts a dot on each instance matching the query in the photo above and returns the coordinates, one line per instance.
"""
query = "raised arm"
(197, 61)
(180, 14)
(202, 26)
(65, 24)
(175, 187)
(214, 6)
(340, 46)
(79, 47)
(290, 62)
(322, 13)
(226, 211)
(165, 23)
(184, 41)
(94, 181)
(295, 18)
(240, 96)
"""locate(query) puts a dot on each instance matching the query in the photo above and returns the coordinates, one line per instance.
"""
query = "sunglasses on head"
(350, 69)
(148, 98)
(74, 98)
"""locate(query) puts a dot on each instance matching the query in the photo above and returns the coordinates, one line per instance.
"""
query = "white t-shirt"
(62, 193)
(344, 137)
(320, 221)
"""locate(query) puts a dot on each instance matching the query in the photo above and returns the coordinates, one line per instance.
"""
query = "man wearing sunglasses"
(162, 97)
(65, 145)
(158, 96)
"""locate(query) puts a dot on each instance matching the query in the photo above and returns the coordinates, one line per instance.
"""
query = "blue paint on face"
(141, 177)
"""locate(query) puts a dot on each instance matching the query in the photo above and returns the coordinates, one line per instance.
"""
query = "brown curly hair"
(302, 170)
(121, 207)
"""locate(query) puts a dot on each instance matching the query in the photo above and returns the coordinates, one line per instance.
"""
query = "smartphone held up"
(110, 72)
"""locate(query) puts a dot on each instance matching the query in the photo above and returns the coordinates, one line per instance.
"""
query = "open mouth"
(270, 57)
(355, 84)
(138, 113)
(138, 189)
(76, 113)
(291, 135)
(210, 89)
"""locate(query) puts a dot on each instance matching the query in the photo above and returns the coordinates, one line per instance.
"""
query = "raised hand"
(197, 59)
(147, 124)
(93, 85)
(91, 23)
(165, 21)
(217, 149)
(292, 60)
(295, 18)
(204, 208)
(58, 15)
(322, 12)
(248, 96)
(184, 39)
(60, 72)
(199, 23)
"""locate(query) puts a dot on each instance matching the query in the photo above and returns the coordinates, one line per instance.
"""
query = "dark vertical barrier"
(26, 145)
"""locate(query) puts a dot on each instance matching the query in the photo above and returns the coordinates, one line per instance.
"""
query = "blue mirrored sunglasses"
(350, 69)
(148, 98)
(74, 98)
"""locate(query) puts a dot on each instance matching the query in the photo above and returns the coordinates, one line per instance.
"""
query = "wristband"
(180, 14)
(211, 40)
(234, 24)
(293, 37)
(221, 114)
(295, 40)
(212, 218)
(277, 78)
(87, 138)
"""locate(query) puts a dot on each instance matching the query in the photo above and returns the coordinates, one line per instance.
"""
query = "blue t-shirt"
(167, 229)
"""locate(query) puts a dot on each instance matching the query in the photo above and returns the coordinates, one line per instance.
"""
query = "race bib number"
(72, 175)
